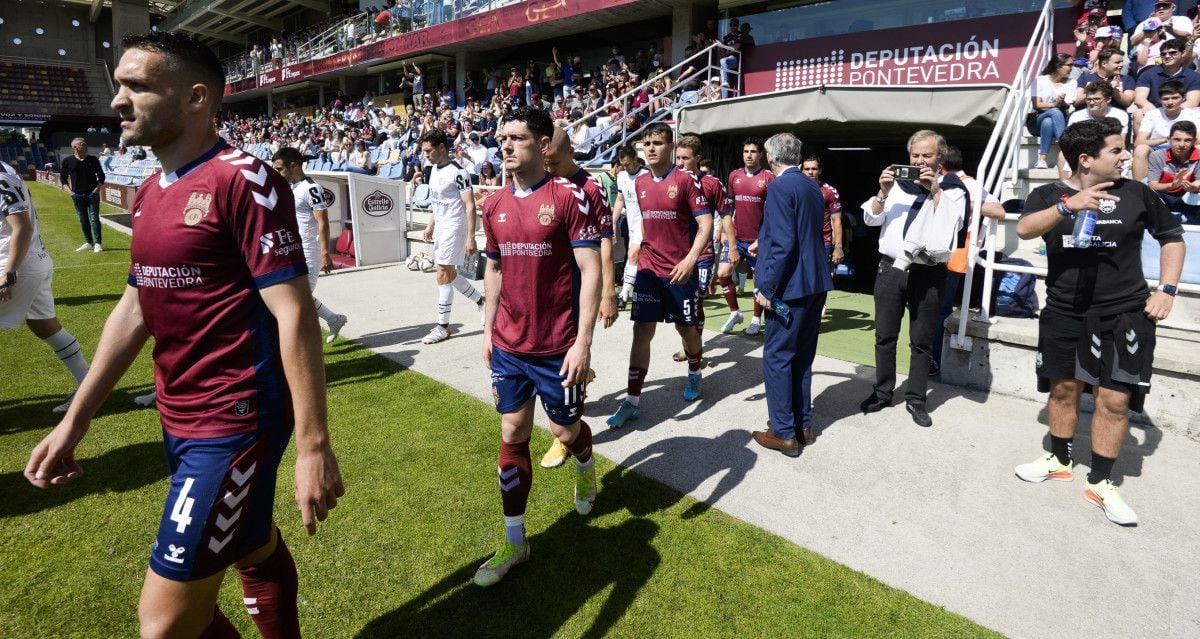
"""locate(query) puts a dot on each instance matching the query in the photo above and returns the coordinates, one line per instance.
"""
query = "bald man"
(560, 163)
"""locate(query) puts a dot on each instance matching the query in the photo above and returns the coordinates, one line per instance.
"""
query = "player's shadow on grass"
(33, 413)
(683, 464)
(368, 366)
(84, 300)
(572, 562)
(1141, 441)
(116, 471)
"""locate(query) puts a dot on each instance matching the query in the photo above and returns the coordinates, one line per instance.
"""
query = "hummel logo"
(137, 213)
(267, 242)
(503, 217)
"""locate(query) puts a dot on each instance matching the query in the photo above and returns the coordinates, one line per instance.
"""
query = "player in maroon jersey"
(218, 278)
(560, 162)
(542, 286)
(748, 190)
(831, 227)
(687, 158)
(676, 226)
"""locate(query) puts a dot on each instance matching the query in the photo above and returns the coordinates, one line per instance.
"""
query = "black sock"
(1101, 468)
(1061, 447)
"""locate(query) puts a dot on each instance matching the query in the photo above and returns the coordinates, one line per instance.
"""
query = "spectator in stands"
(276, 53)
(82, 174)
(360, 159)
(1051, 102)
(710, 92)
(476, 151)
(487, 175)
(1155, 129)
(734, 40)
(1109, 62)
(105, 151)
(1149, 53)
(1173, 172)
(1087, 32)
(1164, 15)
(1099, 99)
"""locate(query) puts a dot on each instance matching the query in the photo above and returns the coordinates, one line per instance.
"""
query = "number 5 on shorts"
(181, 512)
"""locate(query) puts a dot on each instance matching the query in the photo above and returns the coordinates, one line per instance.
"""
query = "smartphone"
(907, 172)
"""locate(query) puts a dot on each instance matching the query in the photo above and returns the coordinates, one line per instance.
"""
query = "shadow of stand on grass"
(571, 562)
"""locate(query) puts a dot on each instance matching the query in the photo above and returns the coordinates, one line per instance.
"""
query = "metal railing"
(999, 167)
(697, 68)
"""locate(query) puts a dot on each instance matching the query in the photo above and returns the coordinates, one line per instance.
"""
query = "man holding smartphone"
(921, 215)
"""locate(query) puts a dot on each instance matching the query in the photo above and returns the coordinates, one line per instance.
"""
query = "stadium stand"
(45, 88)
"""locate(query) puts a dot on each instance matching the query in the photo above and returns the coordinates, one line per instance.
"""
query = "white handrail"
(999, 162)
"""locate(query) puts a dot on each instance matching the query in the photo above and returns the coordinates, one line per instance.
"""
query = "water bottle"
(1085, 226)
(780, 307)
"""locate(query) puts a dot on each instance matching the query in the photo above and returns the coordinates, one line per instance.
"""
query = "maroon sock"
(516, 475)
(695, 360)
(757, 309)
(727, 290)
(219, 628)
(637, 377)
(581, 447)
(269, 591)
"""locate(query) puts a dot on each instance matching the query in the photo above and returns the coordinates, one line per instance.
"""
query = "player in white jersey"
(25, 294)
(312, 218)
(627, 205)
(451, 228)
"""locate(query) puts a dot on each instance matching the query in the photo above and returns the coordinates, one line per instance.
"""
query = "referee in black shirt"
(82, 173)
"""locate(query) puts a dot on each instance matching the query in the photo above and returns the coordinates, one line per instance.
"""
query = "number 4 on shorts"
(181, 512)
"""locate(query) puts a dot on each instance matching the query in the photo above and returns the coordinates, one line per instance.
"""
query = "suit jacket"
(791, 246)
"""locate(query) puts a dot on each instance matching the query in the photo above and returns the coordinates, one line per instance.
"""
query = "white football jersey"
(310, 197)
(629, 193)
(447, 183)
(15, 200)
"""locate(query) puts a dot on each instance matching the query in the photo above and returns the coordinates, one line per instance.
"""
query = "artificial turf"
(421, 512)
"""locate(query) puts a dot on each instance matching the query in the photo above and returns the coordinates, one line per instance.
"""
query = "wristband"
(10, 278)
(1063, 210)
(1169, 289)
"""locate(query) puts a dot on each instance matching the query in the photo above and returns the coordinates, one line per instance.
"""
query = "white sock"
(633, 399)
(583, 467)
(464, 286)
(324, 312)
(445, 301)
(68, 350)
(514, 530)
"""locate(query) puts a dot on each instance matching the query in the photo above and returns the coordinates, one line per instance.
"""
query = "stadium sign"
(377, 204)
(982, 51)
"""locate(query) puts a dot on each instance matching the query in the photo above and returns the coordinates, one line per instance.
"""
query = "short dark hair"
(1087, 138)
(288, 156)
(813, 157)
(538, 120)
(1099, 86)
(627, 151)
(1185, 126)
(1171, 86)
(1178, 44)
(756, 141)
(953, 160)
(1108, 52)
(435, 137)
(186, 54)
(660, 129)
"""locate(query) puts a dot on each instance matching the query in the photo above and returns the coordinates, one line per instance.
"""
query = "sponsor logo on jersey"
(285, 240)
(546, 214)
(197, 208)
(377, 204)
(328, 197)
(672, 191)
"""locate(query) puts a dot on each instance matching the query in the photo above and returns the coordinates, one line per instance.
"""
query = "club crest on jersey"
(672, 191)
(546, 214)
(1107, 206)
(241, 407)
(196, 208)
(762, 183)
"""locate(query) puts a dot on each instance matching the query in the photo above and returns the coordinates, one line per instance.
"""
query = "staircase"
(694, 72)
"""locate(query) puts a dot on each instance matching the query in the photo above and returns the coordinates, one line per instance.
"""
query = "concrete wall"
(23, 19)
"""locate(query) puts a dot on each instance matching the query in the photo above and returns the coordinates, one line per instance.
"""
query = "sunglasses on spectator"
(1167, 52)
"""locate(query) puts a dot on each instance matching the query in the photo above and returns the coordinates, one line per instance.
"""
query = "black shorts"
(1058, 350)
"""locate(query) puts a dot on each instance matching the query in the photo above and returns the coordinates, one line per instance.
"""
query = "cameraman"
(921, 218)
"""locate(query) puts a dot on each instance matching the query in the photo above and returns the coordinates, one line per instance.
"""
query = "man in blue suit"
(792, 279)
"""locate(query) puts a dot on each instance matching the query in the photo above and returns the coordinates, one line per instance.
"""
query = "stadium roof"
(160, 7)
(232, 20)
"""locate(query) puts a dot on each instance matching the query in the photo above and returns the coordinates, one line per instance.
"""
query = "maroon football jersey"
(206, 239)
(670, 205)
(533, 235)
(714, 192)
(595, 200)
(749, 192)
(833, 206)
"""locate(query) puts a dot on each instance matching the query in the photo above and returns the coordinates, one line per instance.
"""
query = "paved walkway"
(936, 512)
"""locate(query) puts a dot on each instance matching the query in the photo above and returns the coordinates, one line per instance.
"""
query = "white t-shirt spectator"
(1048, 91)
(1084, 115)
(1179, 25)
(477, 154)
(1157, 125)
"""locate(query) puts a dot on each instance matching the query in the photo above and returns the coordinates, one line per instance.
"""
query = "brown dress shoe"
(809, 438)
(767, 439)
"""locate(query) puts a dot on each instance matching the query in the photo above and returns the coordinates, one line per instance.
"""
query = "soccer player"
(1097, 330)
(218, 279)
(451, 228)
(748, 190)
(832, 225)
(627, 206)
(560, 162)
(312, 216)
(687, 158)
(543, 293)
(25, 294)
(676, 226)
